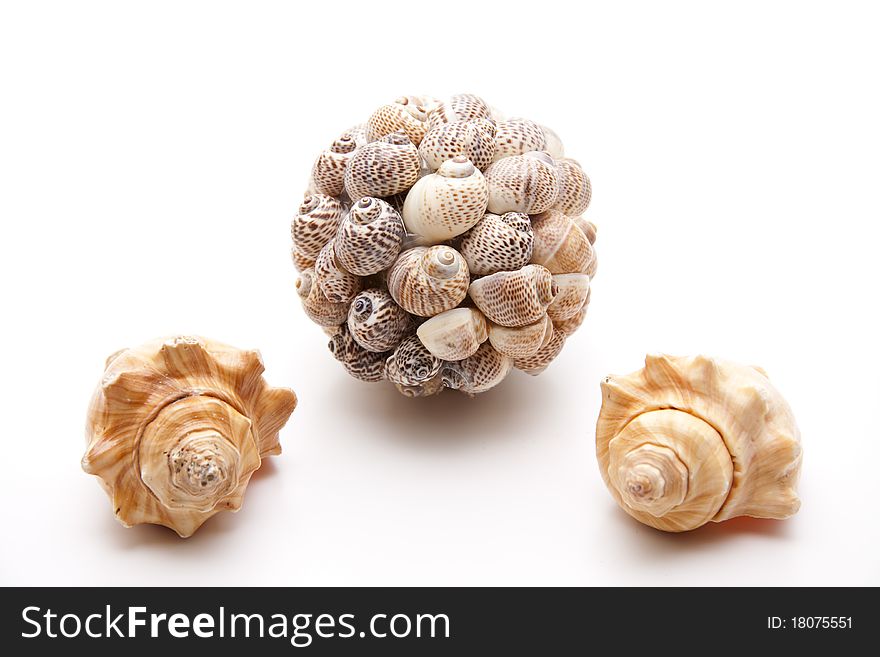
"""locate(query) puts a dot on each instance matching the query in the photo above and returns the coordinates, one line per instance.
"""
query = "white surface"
(150, 160)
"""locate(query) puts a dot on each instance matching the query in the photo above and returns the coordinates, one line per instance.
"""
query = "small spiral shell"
(454, 334)
(522, 183)
(319, 308)
(337, 284)
(461, 107)
(538, 361)
(300, 261)
(473, 139)
(575, 190)
(425, 281)
(328, 173)
(521, 341)
(446, 203)
(514, 298)
(364, 365)
(382, 168)
(498, 243)
(481, 371)
(571, 293)
(315, 224)
(517, 137)
(369, 237)
(573, 323)
(403, 115)
(588, 227)
(376, 322)
(411, 364)
(560, 245)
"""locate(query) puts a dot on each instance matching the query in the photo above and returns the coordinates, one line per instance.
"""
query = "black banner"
(436, 621)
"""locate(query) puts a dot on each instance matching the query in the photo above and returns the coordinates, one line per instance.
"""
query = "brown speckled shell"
(411, 364)
(522, 183)
(514, 298)
(365, 365)
(382, 168)
(369, 237)
(538, 362)
(571, 293)
(461, 107)
(319, 308)
(336, 283)
(425, 281)
(521, 341)
(315, 223)
(473, 139)
(376, 322)
(328, 173)
(518, 136)
(403, 115)
(575, 190)
(498, 243)
(483, 370)
(560, 245)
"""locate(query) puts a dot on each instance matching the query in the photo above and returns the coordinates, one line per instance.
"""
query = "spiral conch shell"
(514, 298)
(369, 237)
(382, 168)
(498, 243)
(446, 203)
(688, 440)
(425, 281)
(522, 183)
(177, 427)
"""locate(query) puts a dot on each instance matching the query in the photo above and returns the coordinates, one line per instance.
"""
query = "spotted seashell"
(514, 298)
(498, 243)
(522, 183)
(376, 322)
(403, 115)
(538, 361)
(369, 237)
(427, 389)
(319, 308)
(446, 203)
(483, 370)
(314, 225)
(454, 334)
(517, 137)
(365, 365)
(574, 188)
(328, 173)
(426, 281)
(521, 341)
(572, 324)
(571, 293)
(560, 245)
(411, 364)
(300, 261)
(382, 168)
(473, 139)
(336, 283)
(553, 144)
(461, 107)
(588, 227)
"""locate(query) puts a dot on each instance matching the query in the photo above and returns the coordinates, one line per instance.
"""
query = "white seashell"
(575, 190)
(498, 243)
(522, 183)
(376, 322)
(336, 283)
(560, 245)
(514, 298)
(426, 281)
(178, 426)
(461, 107)
(382, 168)
(319, 308)
(454, 334)
(553, 144)
(328, 173)
(517, 137)
(364, 365)
(446, 203)
(521, 341)
(314, 225)
(412, 364)
(690, 440)
(538, 361)
(475, 140)
(403, 115)
(369, 237)
(571, 294)
(483, 370)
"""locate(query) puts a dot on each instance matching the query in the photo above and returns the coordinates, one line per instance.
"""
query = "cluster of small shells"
(441, 245)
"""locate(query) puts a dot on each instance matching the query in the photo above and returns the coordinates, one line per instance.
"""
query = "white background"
(151, 157)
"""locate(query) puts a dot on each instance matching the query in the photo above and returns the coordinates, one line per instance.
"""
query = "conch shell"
(177, 427)
(369, 237)
(514, 298)
(403, 115)
(446, 203)
(425, 281)
(522, 183)
(498, 243)
(454, 334)
(382, 168)
(688, 440)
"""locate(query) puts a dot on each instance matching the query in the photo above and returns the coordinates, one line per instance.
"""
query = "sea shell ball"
(442, 245)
